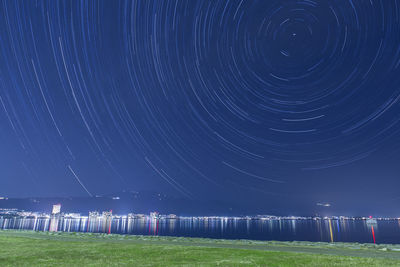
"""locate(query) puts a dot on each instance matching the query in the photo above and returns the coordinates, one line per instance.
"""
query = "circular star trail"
(108, 95)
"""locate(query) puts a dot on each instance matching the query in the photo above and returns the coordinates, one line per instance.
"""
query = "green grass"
(25, 248)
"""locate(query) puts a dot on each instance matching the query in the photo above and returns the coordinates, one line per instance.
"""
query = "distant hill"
(123, 202)
(145, 201)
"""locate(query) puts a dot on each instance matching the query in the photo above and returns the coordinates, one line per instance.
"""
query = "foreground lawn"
(65, 249)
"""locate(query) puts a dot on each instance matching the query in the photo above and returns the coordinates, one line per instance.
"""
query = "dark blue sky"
(232, 100)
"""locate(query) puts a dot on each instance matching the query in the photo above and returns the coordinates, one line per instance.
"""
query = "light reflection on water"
(326, 230)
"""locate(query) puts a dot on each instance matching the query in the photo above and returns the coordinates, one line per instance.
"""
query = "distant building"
(8, 211)
(172, 216)
(72, 215)
(154, 215)
(107, 214)
(93, 214)
(56, 209)
(138, 216)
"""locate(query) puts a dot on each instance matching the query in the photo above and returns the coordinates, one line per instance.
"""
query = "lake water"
(326, 230)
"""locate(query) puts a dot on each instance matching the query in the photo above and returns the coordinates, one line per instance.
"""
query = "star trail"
(222, 99)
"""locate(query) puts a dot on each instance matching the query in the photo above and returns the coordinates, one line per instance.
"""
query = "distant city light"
(56, 209)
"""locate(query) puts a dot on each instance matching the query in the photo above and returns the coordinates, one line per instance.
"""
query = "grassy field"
(26, 248)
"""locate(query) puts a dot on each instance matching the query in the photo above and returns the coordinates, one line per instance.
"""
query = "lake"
(325, 230)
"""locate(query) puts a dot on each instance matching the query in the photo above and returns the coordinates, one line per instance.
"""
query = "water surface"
(326, 230)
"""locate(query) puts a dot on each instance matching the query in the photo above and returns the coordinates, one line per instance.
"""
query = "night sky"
(231, 100)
